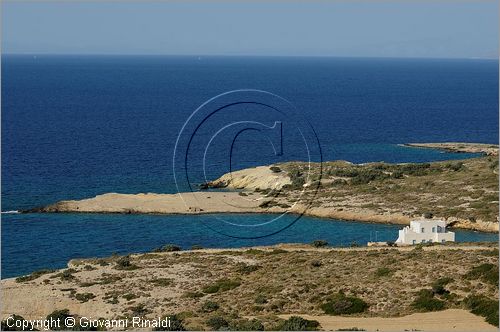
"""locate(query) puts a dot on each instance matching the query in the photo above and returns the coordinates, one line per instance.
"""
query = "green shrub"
(209, 306)
(367, 175)
(129, 296)
(246, 325)
(486, 272)
(162, 282)
(275, 169)
(492, 252)
(483, 306)
(196, 247)
(276, 251)
(254, 251)
(316, 263)
(383, 272)
(266, 204)
(261, 299)
(339, 182)
(123, 263)
(494, 164)
(247, 269)
(428, 215)
(139, 310)
(340, 304)
(65, 275)
(425, 301)
(33, 276)
(193, 295)
(211, 289)
(319, 243)
(221, 285)
(168, 248)
(397, 174)
(438, 287)
(84, 297)
(457, 166)
(415, 169)
(217, 322)
(344, 172)
(60, 315)
(296, 323)
(297, 180)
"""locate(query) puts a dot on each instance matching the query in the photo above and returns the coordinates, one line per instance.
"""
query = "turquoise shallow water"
(36, 241)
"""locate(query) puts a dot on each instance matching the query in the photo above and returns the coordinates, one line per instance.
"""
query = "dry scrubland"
(249, 289)
(464, 192)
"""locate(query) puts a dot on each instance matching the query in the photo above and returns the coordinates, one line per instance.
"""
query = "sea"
(78, 126)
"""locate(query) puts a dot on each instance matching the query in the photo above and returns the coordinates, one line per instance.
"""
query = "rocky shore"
(487, 149)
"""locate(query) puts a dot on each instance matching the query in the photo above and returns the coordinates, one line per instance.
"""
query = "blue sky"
(442, 29)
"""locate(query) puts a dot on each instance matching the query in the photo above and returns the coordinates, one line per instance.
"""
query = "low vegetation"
(251, 289)
(168, 248)
(34, 275)
(383, 272)
(425, 301)
(465, 189)
(340, 304)
(486, 272)
(124, 263)
(483, 306)
(296, 323)
(84, 297)
(319, 243)
(221, 285)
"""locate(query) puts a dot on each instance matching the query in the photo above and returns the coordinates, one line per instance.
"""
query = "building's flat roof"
(428, 220)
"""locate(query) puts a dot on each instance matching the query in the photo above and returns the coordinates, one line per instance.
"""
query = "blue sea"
(78, 126)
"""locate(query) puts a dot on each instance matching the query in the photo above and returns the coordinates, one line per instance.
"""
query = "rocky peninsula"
(487, 149)
(463, 192)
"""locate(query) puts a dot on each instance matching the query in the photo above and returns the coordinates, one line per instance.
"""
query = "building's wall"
(417, 225)
(414, 232)
(418, 237)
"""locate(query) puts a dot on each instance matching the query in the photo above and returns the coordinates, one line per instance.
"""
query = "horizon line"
(245, 55)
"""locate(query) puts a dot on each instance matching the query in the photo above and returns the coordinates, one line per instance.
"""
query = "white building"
(425, 231)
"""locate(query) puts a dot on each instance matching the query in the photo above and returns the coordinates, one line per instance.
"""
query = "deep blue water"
(74, 127)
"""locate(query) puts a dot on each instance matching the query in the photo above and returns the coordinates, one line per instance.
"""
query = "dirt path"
(447, 320)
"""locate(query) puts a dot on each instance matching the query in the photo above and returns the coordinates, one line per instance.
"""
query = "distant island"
(487, 149)
(463, 192)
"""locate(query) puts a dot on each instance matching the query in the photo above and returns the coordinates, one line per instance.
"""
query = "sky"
(405, 28)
